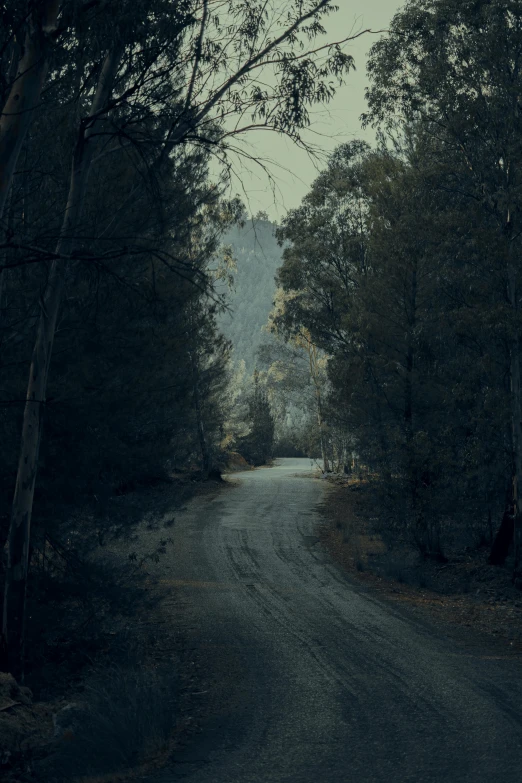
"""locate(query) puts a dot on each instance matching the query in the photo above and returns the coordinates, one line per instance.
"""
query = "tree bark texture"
(20, 523)
(516, 423)
(504, 536)
(24, 95)
(416, 520)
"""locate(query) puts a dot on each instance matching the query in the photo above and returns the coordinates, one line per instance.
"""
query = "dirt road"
(310, 679)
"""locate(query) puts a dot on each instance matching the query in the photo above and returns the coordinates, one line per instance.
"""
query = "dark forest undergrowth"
(108, 684)
(461, 590)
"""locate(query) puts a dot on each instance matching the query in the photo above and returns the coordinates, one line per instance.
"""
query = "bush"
(405, 569)
(126, 718)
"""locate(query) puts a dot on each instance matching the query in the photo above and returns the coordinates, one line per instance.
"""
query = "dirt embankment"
(464, 592)
(236, 463)
(23, 726)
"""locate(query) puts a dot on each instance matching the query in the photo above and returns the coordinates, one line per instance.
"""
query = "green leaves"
(394, 270)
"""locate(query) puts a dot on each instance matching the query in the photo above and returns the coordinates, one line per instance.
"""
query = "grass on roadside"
(463, 589)
(127, 717)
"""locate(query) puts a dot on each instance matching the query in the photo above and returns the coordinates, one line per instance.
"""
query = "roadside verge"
(464, 593)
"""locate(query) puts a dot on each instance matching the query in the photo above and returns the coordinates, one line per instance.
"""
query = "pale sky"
(338, 123)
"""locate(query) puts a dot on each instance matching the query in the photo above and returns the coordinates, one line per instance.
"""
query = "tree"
(258, 444)
(442, 65)
(121, 390)
(19, 531)
(300, 341)
(256, 259)
(167, 77)
(291, 395)
(389, 274)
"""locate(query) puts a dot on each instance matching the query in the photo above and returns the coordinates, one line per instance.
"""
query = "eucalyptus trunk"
(416, 521)
(516, 423)
(504, 537)
(20, 524)
(203, 445)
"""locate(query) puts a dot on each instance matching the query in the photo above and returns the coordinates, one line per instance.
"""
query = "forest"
(154, 336)
(402, 267)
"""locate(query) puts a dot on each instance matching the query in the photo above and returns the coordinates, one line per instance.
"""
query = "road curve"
(311, 679)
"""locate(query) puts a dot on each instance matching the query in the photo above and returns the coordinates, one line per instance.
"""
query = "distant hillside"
(258, 257)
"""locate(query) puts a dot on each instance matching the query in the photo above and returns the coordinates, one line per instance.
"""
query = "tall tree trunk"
(516, 414)
(410, 363)
(504, 536)
(20, 524)
(24, 94)
(203, 446)
(3, 273)
(416, 521)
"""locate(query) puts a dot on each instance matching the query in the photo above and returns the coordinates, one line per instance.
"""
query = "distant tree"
(257, 446)
(257, 257)
(302, 345)
(287, 371)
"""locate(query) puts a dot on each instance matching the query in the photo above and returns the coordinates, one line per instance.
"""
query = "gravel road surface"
(310, 678)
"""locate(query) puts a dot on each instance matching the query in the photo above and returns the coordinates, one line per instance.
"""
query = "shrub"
(126, 718)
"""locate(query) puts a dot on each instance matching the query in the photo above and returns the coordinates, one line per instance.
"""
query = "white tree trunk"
(516, 423)
(20, 524)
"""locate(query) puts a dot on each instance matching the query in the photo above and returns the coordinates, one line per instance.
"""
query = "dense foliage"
(257, 445)
(110, 231)
(402, 265)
